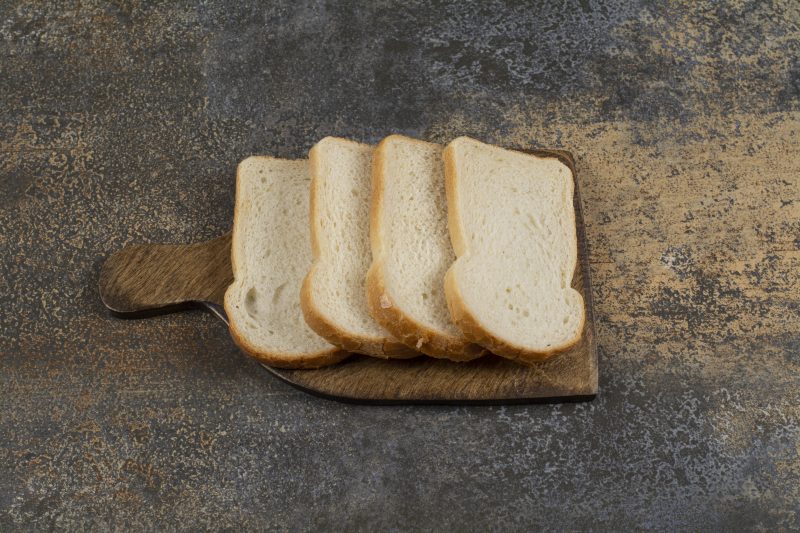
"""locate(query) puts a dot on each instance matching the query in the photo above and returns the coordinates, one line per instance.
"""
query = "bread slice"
(512, 225)
(333, 296)
(270, 254)
(411, 249)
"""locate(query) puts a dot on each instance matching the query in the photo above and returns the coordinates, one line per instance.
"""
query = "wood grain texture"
(144, 278)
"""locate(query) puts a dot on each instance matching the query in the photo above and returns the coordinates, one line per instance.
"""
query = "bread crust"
(270, 358)
(315, 319)
(381, 305)
(285, 360)
(466, 321)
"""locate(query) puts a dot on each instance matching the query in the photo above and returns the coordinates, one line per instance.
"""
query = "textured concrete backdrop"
(122, 122)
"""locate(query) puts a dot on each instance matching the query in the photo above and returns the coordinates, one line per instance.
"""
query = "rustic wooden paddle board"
(144, 280)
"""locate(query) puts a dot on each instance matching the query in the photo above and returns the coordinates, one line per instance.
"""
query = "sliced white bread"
(333, 296)
(512, 226)
(270, 254)
(411, 249)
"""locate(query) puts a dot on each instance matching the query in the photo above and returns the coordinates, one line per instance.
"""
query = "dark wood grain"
(144, 278)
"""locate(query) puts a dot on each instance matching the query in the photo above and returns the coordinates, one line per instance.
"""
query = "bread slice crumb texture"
(270, 254)
(334, 296)
(412, 250)
(512, 225)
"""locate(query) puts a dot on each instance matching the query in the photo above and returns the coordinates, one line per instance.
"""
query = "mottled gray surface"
(123, 122)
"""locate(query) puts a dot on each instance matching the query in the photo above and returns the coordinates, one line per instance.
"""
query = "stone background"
(122, 122)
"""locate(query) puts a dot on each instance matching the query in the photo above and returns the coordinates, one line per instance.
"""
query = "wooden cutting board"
(143, 280)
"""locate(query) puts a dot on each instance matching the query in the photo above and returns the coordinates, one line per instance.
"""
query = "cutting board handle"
(148, 279)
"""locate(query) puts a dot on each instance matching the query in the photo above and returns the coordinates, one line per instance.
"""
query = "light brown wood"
(147, 277)
(144, 278)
